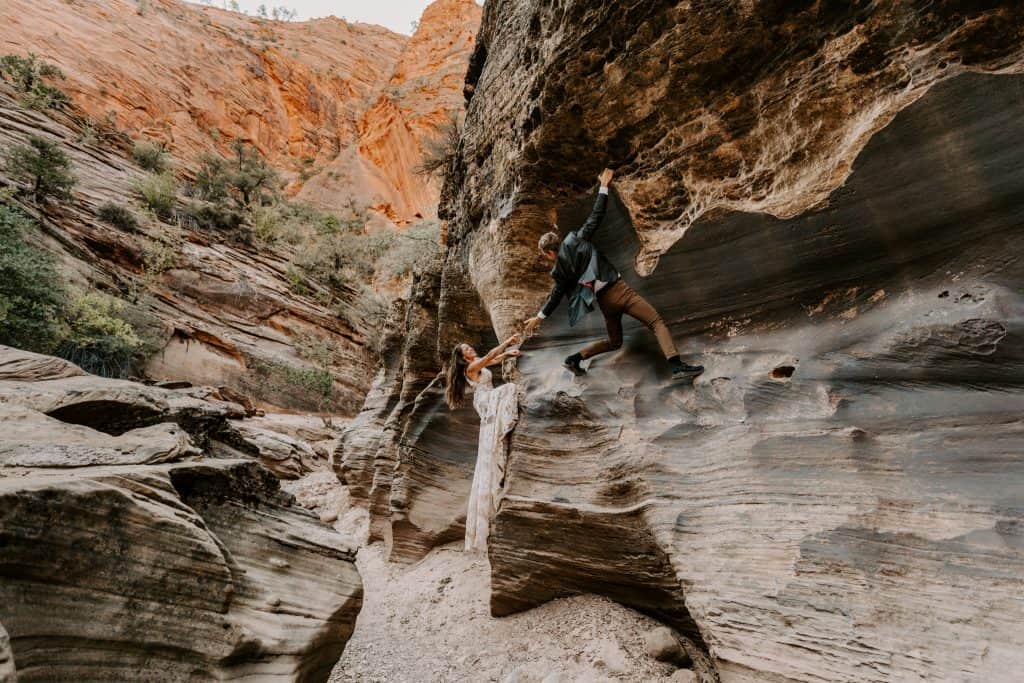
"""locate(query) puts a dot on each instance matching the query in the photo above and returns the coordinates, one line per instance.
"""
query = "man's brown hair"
(550, 241)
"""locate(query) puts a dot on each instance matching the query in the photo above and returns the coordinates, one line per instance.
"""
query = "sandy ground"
(430, 622)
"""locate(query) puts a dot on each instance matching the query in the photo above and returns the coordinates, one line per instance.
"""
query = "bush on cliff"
(28, 75)
(43, 165)
(439, 151)
(151, 156)
(99, 338)
(159, 193)
(31, 293)
(245, 178)
(119, 216)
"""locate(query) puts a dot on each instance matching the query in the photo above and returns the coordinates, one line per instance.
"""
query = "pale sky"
(397, 15)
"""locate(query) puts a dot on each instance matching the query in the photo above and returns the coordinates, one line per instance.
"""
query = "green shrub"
(159, 193)
(214, 216)
(151, 156)
(100, 340)
(246, 178)
(28, 75)
(31, 292)
(311, 386)
(160, 255)
(118, 216)
(276, 223)
(44, 165)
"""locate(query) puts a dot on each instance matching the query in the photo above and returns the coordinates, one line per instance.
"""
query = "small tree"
(251, 174)
(247, 177)
(31, 293)
(45, 166)
(439, 151)
(28, 76)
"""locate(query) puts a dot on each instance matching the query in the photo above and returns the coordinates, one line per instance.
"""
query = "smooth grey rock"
(662, 644)
(683, 676)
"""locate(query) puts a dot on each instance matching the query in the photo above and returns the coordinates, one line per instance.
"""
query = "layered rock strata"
(820, 200)
(341, 109)
(124, 562)
(222, 312)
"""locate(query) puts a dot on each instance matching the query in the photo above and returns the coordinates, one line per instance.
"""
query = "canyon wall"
(824, 202)
(131, 551)
(344, 112)
(222, 312)
(341, 109)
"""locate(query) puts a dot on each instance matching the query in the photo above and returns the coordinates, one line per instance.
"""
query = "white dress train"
(498, 410)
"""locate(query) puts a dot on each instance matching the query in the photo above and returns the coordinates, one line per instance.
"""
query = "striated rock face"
(821, 202)
(306, 94)
(224, 313)
(405, 456)
(120, 565)
(423, 95)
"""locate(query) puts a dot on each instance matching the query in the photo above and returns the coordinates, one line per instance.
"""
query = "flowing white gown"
(498, 410)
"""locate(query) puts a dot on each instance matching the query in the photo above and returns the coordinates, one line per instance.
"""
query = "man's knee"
(656, 323)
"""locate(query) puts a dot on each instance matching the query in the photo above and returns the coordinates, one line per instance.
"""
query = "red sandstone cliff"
(341, 109)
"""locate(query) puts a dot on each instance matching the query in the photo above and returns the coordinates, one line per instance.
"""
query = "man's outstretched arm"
(600, 206)
(555, 298)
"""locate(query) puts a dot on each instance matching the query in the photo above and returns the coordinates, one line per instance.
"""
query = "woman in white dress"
(498, 410)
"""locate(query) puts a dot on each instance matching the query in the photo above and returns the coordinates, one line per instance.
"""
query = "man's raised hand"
(530, 325)
(606, 177)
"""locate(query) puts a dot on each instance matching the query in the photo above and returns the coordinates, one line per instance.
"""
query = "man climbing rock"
(585, 275)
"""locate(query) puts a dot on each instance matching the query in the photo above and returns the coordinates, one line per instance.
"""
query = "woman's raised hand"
(515, 340)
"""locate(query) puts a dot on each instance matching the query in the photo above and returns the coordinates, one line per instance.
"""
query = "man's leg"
(638, 307)
(611, 308)
(613, 323)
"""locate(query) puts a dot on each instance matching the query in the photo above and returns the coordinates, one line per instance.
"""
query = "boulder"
(128, 553)
(286, 457)
(168, 572)
(17, 365)
(663, 644)
(683, 676)
(33, 439)
(112, 406)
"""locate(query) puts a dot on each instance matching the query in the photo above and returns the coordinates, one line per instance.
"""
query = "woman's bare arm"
(492, 356)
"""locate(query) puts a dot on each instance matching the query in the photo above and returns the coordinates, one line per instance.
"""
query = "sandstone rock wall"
(820, 200)
(225, 313)
(172, 568)
(307, 94)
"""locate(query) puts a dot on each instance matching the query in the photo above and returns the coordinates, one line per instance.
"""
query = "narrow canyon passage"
(430, 622)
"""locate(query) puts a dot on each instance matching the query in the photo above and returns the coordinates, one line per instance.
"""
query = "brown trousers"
(618, 299)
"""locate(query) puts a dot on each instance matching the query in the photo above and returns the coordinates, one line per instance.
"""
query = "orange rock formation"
(341, 109)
